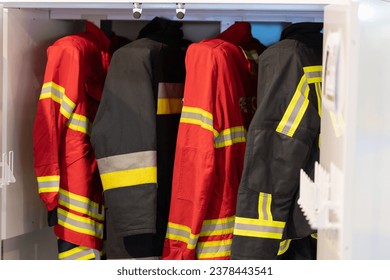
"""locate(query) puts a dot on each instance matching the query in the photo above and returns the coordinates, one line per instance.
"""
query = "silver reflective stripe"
(78, 122)
(182, 233)
(196, 116)
(264, 207)
(220, 226)
(89, 208)
(92, 229)
(212, 249)
(52, 90)
(170, 90)
(127, 161)
(316, 74)
(240, 134)
(54, 183)
(258, 228)
(296, 109)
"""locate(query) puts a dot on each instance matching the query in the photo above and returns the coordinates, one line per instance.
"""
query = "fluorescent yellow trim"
(83, 220)
(80, 119)
(283, 247)
(200, 123)
(316, 68)
(71, 252)
(48, 189)
(217, 232)
(131, 177)
(182, 239)
(314, 80)
(260, 206)
(258, 234)
(166, 106)
(185, 228)
(48, 178)
(319, 93)
(268, 206)
(256, 222)
(213, 255)
(234, 139)
(298, 118)
(80, 198)
(87, 257)
(216, 243)
(219, 221)
(198, 111)
(81, 210)
(291, 106)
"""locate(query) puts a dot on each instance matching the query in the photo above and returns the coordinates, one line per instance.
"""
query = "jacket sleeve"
(281, 137)
(124, 141)
(58, 99)
(194, 177)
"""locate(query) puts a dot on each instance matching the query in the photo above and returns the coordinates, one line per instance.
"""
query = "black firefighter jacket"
(283, 138)
(134, 136)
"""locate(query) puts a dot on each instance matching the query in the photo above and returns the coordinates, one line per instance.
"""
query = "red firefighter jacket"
(218, 104)
(64, 162)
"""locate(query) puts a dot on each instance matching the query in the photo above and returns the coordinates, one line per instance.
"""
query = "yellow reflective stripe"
(283, 247)
(130, 177)
(295, 109)
(53, 91)
(319, 94)
(256, 222)
(197, 116)
(80, 204)
(256, 228)
(299, 102)
(80, 224)
(211, 227)
(213, 249)
(182, 233)
(313, 74)
(166, 106)
(219, 226)
(230, 136)
(48, 184)
(127, 161)
(79, 123)
(264, 226)
(57, 94)
(264, 207)
(78, 253)
(314, 235)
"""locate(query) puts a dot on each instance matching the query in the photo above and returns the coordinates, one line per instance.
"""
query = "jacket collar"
(297, 29)
(162, 30)
(240, 34)
(102, 41)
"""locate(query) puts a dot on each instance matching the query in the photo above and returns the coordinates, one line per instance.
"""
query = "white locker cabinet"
(27, 28)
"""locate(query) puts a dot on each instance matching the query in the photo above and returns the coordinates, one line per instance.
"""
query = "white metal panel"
(101, 3)
(334, 121)
(362, 149)
(369, 187)
(27, 34)
(263, 10)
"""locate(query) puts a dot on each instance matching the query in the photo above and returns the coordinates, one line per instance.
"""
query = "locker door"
(26, 35)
